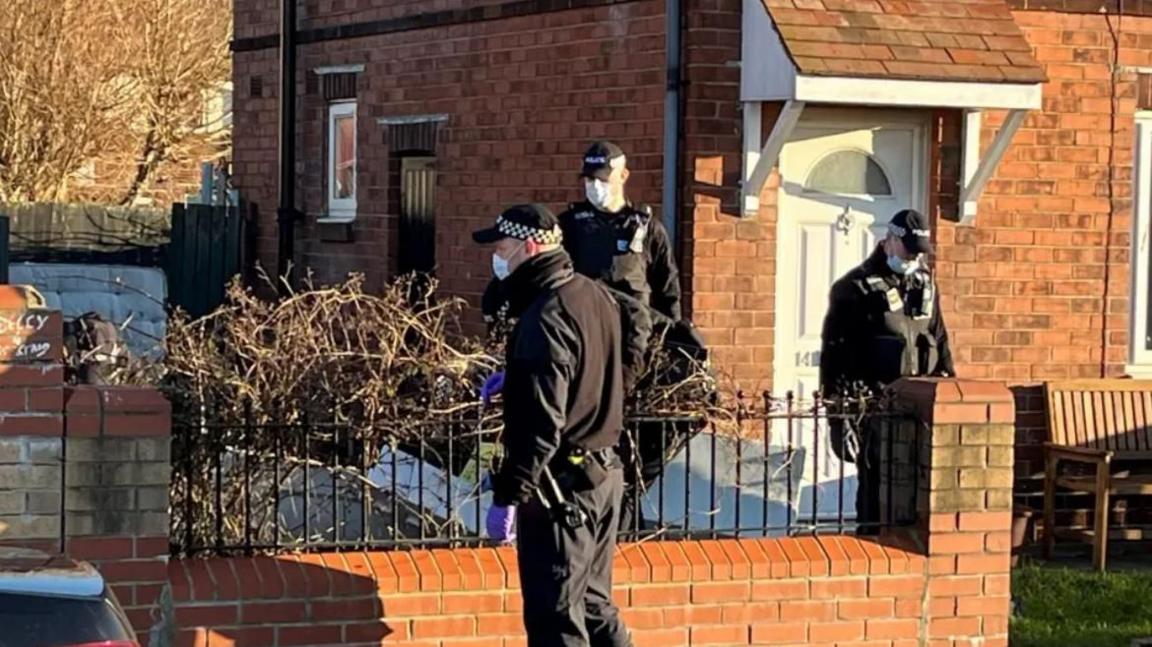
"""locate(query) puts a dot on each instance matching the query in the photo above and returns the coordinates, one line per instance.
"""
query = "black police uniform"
(880, 327)
(629, 251)
(563, 413)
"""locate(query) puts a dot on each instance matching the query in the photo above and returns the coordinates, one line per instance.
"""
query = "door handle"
(845, 221)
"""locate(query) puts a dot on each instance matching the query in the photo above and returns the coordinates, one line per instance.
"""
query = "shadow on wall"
(313, 599)
(1031, 424)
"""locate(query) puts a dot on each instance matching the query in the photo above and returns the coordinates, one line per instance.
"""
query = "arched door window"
(848, 172)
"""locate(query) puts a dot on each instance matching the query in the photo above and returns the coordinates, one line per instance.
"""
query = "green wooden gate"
(207, 250)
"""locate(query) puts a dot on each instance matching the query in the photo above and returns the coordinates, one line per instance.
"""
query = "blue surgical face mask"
(501, 266)
(901, 266)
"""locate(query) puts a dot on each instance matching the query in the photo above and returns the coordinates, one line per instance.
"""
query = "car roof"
(32, 572)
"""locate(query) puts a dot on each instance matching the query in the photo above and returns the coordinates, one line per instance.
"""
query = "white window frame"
(1139, 356)
(341, 209)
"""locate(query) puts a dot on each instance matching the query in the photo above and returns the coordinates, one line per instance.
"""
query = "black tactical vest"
(611, 247)
(899, 314)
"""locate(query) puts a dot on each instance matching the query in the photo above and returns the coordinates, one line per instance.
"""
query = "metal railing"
(258, 487)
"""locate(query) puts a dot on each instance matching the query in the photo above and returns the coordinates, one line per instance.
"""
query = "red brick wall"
(760, 592)
(729, 266)
(1039, 289)
(1036, 290)
(524, 97)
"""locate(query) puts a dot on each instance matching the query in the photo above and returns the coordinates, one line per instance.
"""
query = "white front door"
(843, 176)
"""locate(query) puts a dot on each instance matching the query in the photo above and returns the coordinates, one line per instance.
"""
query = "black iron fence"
(783, 470)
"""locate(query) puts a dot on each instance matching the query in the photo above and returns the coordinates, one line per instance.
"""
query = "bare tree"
(181, 60)
(61, 94)
(122, 83)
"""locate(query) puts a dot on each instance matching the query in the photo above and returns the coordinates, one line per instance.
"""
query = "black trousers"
(566, 574)
(867, 437)
(868, 473)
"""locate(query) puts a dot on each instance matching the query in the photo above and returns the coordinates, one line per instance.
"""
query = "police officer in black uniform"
(558, 488)
(883, 323)
(617, 241)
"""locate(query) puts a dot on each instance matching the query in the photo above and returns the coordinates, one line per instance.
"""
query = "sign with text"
(31, 335)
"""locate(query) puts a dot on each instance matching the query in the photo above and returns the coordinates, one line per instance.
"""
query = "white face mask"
(901, 266)
(598, 192)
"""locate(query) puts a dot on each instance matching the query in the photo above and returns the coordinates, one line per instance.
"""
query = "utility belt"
(580, 469)
(574, 470)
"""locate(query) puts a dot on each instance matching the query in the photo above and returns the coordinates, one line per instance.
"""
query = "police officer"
(558, 487)
(617, 241)
(883, 323)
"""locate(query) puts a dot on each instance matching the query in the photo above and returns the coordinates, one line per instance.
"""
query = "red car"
(52, 601)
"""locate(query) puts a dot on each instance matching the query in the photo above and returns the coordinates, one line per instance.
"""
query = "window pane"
(344, 173)
(848, 172)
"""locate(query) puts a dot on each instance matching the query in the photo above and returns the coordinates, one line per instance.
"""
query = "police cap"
(601, 159)
(911, 227)
(523, 222)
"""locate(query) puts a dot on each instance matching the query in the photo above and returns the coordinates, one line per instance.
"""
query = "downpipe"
(286, 213)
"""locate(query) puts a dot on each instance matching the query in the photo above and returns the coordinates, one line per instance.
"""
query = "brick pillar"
(117, 472)
(83, 470)
(964, 506)
(31, 421)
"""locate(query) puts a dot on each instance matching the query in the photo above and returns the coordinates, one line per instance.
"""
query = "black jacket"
(563, 381)
(601, 246)
(874, 333)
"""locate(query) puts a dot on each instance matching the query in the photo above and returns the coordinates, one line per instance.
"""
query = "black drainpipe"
(286, 207)
(673, 31)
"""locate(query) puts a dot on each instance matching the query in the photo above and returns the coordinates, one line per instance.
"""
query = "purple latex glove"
(492, 386)
(502, 523)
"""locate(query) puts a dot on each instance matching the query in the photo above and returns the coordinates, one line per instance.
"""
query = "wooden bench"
(1104, 427)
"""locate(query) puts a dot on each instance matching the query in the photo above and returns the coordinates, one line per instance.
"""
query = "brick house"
(771, 134)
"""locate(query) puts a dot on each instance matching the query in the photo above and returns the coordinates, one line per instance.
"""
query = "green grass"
(1061, 607)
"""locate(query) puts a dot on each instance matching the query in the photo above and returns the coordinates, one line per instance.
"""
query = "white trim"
(759, 161)
(338, 69)
(766, 70)
(974, 186)
(917, 94)
(1139, 357)
(341, 209)
(411, 119)
(970, 158)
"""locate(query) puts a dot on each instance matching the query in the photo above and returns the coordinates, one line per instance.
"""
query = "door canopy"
(969, 55)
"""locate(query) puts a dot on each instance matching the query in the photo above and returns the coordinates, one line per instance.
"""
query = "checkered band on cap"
(551, 236)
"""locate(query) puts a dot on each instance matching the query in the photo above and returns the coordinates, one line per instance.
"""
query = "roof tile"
(846, 67)
(1008, 43)
(865, 6)
(921, 54)
(978, 57)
